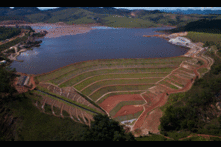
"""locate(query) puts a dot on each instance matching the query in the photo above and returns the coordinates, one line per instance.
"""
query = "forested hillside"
(6, 33)
(108, 16)
(203, 25)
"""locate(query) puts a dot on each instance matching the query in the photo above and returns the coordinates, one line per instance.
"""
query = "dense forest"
(203, 25)
(6, 33)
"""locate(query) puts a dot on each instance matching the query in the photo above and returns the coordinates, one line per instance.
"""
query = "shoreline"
(51, 27)
(102, 60)
(60, 29)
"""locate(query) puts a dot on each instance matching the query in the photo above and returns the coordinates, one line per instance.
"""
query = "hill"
(6, 11)
(204, 25)
(191, 11)
(108, 16)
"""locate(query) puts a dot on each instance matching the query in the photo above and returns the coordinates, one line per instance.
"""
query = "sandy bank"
(61, 29)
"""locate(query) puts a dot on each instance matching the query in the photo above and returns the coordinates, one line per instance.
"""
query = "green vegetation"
(74, 69)
(123, 21)
(76, 72)
(85, 75)
(202, 70)
(6, 33)
(204, 37)
(152, 137)
(65, 113)
(64, 98)
(14, 42)
(128, 117)
(114, 76)
(115, 93)
(100, 84)
(197, 138)
(192, 116)
(37, 126)
(172, 99)
(124, 103)
(164, 82)
(104, 90)
(105, 129)
(28, 123)
(114, 17)
(202, 25)
(47, 109)
(6, 74)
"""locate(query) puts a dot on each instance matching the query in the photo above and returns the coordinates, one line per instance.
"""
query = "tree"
(6, 76)
(105, 129)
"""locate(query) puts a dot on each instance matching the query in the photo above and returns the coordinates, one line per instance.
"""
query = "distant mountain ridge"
(108, 16)
(7, 11)
(191, 11)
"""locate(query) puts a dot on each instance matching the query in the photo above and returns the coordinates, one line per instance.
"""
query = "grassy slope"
(63, 73)
(203, 37)
(100, 84)
(111, 76)
(37, 126)
(127, 22)
(104, 90)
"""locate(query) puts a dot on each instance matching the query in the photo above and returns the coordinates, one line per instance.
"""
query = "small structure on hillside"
(23, 81)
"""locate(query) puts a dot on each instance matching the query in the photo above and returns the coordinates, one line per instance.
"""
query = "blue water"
(101, 43)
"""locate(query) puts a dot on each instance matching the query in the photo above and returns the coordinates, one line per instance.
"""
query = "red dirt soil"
(109, 103)
(129, 109)
(152, 121)
(22, 89)
(162, 101)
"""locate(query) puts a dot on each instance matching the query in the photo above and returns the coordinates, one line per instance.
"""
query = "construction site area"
(130, 91)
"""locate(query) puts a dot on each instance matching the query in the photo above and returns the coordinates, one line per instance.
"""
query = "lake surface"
(101, 43)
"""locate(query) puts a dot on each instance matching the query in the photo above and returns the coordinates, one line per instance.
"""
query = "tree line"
(202, 25)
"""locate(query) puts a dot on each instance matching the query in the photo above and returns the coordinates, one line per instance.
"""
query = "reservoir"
(100, 43)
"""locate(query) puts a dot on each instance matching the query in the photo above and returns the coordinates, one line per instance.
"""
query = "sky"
(154, 8)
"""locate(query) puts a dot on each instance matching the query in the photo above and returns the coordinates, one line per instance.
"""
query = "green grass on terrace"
(186, 70)
(178, 84)
(100, 84)
(109, 71)
(116, 93)
(114, 76)
(80, 65)
(105, 66)
(124, 103)
(128, 88)
(164, 82)
(69, 100)
(128, 117)
(181, 81)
